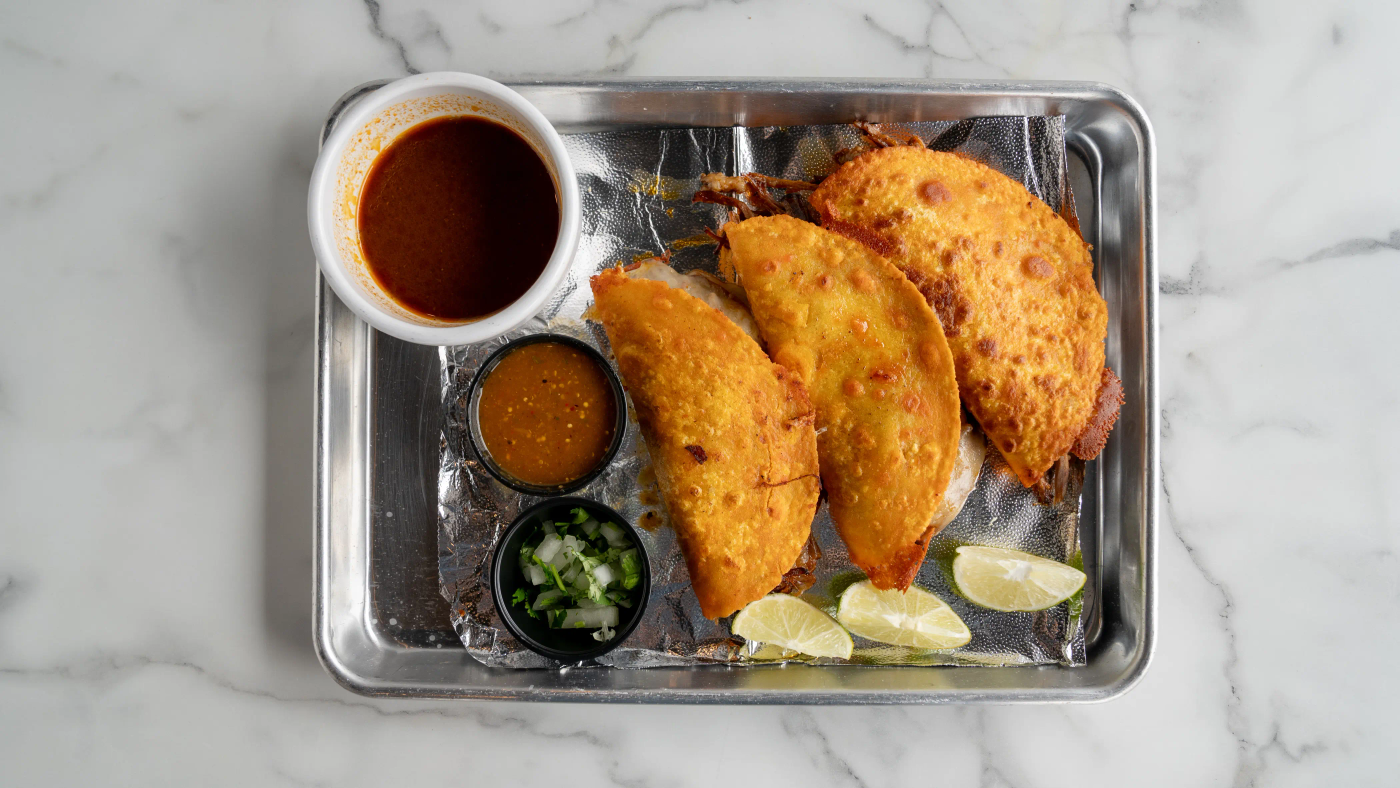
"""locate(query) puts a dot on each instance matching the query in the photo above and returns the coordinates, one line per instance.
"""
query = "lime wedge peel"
(915, 618)
(1012, 581)
(787, 621)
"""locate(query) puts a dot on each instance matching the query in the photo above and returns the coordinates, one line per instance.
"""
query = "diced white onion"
(549, 547)
(590, 619)
(615, 536)
(604, 573)
(561, 558)
(590, 526)
(546, 598)
(535, 575)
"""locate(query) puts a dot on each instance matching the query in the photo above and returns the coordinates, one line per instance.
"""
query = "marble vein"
(991, 773)
(376, 27)
(801, 727)
(937, 11)
(1351, 247)
(623, 45)
(1199, 283)
(1224, 614)
(10, 592)
(41, 195)
(108, 670)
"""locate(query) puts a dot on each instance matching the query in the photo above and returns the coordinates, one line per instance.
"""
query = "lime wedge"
(914, 618)
(784, 620)
(1013, 581)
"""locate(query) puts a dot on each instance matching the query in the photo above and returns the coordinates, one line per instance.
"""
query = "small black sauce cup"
(565, 645)
(474, 423)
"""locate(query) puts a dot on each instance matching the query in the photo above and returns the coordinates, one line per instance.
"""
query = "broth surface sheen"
(547, 413)
(458, 217)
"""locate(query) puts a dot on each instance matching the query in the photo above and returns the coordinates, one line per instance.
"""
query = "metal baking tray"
(380, 625)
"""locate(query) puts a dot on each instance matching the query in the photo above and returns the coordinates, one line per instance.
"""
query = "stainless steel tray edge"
(366, 656)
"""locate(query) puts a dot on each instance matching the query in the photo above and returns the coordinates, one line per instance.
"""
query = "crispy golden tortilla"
(730, 435)
(873, 356)
(1012, 283)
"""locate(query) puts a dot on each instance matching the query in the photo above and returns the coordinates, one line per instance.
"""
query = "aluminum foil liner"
(636, 188)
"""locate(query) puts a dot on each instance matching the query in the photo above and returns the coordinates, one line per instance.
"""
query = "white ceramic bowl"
(369, 127)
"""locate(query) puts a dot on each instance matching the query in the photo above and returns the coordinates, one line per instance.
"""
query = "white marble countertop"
(155, 396)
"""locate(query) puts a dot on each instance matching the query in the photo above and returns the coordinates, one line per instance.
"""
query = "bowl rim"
(321, 196)
(479, 444)
(507, 613)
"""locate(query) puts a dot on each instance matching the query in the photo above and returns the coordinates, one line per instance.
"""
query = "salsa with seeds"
(547, 413)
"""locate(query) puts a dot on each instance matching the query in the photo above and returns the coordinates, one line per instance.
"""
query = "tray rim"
(1023, 90)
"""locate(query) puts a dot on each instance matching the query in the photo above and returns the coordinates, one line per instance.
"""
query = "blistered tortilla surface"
(729, 432)
(1010, 280)
(873, 356)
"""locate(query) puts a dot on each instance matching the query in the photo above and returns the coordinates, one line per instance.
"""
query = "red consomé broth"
(458, 217)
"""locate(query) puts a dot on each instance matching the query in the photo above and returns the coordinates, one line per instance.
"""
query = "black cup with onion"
(570, 578)
(547, 414)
